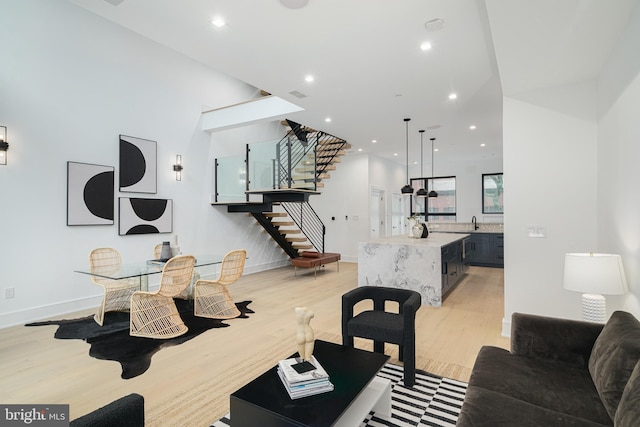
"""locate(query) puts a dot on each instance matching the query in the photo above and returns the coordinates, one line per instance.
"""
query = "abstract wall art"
(145, 216)
(138, 163)
(90, 191)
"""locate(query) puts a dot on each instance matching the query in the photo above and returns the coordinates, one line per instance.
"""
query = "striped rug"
(432, 401)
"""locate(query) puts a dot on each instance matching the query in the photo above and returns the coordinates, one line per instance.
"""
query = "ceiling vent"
(434, 24)
(298, 94)
(294, 4)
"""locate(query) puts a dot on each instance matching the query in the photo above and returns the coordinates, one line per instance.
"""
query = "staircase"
(303, 158)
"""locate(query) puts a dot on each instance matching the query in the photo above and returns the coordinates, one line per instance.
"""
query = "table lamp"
(593, 275)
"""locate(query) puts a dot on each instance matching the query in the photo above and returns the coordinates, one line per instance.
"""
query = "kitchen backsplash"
(489, 227)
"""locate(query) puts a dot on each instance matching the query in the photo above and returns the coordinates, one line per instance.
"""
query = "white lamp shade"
(594, 273)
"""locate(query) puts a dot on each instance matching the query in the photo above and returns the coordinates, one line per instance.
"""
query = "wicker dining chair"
(157, 251)
(212, 298)
(117, 293)
(154, 314)
(186, 294)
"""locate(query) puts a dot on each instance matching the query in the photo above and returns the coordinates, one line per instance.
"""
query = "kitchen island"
(429, 266)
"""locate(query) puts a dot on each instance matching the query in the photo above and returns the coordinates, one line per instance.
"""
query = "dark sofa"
(559, 372)
(128, 411)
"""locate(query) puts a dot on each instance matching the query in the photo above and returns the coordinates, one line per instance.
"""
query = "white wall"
(70, 83)
(571, 155)
(618, 154)
(550, 144)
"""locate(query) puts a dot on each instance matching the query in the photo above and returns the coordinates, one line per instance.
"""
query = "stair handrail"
(308, 221)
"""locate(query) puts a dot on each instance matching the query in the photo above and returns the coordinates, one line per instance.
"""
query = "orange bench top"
(315, 259)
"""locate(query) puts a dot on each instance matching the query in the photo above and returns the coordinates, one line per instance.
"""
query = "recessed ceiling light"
(425, 46)
(328, 119)
(359, 149)
(472, 127)
(415, 162)
(309, 78)
(395, 154)
(218, 21)
(374, 141)
(453, 95)
(436, 149)
(483, 145)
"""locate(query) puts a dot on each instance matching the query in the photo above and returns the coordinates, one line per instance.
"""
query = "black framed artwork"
(138, 165)
(144, 216)
(90, 194)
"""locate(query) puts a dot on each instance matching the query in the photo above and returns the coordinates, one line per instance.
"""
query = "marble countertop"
(469, 232)
(434, 239)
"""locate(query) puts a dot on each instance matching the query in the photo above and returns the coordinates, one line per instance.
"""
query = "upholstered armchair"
(383, 326)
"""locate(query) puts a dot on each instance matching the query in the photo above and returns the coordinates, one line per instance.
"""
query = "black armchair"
(382, 326)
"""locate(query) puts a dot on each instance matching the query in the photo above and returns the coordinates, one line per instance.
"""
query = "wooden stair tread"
(292, 231)
(274, 214)
(295, 239)
(282, 223)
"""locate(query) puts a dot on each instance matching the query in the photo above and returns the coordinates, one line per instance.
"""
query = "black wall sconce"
(4, 145)
(178, 167)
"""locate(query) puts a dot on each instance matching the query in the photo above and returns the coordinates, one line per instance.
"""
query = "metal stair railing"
(307, 221)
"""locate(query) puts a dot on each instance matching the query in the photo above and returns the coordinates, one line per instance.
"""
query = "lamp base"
(594, 308)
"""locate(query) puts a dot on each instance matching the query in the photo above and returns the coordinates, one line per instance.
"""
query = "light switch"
(536, 231)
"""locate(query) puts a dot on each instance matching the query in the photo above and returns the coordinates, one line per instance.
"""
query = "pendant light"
(421, 192)
(432, 193)
(407, 189)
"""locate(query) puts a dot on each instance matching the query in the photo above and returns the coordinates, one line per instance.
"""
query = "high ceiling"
(370, 71)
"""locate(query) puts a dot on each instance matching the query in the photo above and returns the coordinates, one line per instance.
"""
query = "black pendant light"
(421, 192)
(432, 193)
(407, 189)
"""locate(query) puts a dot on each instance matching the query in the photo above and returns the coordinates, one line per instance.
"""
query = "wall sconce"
(4, 146)
(178, 167)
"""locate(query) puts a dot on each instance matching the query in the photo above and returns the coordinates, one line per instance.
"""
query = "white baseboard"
(506, 327)
(44, 312)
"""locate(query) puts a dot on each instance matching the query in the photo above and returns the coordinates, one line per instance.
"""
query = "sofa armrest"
(128, 411)
(563, 340)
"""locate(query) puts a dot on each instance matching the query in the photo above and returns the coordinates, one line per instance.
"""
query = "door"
(377, 213)
(397, 213)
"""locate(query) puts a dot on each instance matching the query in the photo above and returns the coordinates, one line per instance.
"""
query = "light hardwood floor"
(189, 384)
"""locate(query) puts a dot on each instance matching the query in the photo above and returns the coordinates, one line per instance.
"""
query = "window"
(492, 193)
(441, 208)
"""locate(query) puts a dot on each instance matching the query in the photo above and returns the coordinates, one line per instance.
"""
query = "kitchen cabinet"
(453, 263)
(430, 266)
(486, 250)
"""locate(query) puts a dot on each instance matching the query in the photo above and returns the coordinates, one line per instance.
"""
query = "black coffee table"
(264, 402)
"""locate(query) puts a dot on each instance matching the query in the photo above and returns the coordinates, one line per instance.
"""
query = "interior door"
(377, 214)
(397, 213)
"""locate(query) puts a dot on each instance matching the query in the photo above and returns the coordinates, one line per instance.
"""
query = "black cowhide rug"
(113, 342)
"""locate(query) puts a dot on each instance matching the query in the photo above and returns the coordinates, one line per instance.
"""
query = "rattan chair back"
(176, 275)
(232, 267)
(105, 260)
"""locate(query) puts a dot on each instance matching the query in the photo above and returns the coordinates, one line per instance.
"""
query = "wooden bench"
(316, 260)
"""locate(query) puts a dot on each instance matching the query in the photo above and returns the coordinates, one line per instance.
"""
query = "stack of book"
(303, 384)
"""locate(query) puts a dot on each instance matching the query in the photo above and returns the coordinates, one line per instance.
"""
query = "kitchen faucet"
(474, 221)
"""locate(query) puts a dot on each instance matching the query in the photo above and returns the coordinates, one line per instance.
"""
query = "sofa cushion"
(628, 412)
(546, 383)
(614, 355)
(486, 408)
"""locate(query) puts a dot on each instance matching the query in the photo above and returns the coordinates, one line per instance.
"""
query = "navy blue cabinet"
(486, 250)
(453, 264)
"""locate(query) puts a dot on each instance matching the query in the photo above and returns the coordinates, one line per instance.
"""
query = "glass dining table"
(142, 270)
